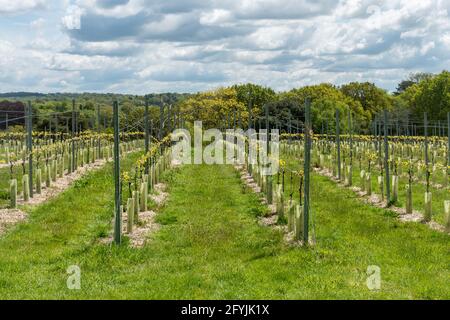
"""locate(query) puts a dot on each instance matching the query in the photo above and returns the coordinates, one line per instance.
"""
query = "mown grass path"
(211, 246)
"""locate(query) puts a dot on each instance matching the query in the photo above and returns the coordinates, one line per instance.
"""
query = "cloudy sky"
(141, 46)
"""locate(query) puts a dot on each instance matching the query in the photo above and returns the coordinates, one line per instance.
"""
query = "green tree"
(432, 95)
(371, 98)
(255, 95)
(413, 78)
(214, 108)
(326, 98)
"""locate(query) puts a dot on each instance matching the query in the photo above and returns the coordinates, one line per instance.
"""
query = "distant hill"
(154, 98)
(21, 94)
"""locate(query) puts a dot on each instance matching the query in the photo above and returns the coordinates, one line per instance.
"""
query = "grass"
(211, 247)
(418, 190)
(418, 194)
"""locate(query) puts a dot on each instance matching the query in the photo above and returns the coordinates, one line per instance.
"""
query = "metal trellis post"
(338, 143)
(147, 140)
(29, 121)
(269, 177)
(72, 168)
(117, 202)
(386, 159)
(308, 129)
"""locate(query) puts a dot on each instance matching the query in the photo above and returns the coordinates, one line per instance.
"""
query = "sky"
(143, 46)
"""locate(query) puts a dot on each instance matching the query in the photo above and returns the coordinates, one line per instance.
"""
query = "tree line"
(419, 93)
(244, 105)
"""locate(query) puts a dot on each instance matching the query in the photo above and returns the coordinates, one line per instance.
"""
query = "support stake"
(117, 202)
(306, 169)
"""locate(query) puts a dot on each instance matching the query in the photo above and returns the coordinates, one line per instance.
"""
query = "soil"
(160, 197)
(176, 163)
(269, 221)
(272, 218)
(146, 225)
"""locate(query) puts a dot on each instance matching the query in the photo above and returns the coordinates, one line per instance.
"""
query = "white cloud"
(38, 23)
(117, 8)
(188, 45)
(445, 38)
(9, 7)
(427, 47)
(274, 37)
(216, 16)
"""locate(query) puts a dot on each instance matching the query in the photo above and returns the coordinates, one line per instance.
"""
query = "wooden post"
(118, 196)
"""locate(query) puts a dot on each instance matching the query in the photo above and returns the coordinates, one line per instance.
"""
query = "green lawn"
(418, 190)
(211, 247)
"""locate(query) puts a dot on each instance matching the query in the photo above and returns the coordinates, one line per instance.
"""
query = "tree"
(326, 99)
(214, 108)
(255, 94)
(372, 98)
(432, 95)
(413, 78)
